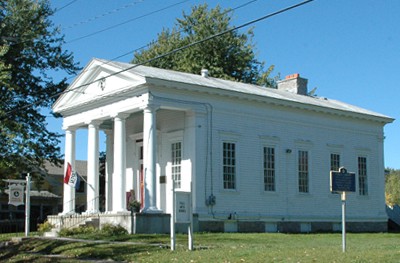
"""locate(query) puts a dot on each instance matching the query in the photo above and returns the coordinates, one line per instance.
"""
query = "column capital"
(120, 115)
(150, 107)
(69, 128)
(93, 122)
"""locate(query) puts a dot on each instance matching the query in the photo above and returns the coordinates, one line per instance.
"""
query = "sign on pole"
(182, 207)
(16, 195)
(181, 213)
(342, 181)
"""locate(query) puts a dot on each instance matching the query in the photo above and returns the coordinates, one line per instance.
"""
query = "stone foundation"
(138, 223)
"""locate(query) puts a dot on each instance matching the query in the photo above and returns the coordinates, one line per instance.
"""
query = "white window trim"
(309, 156)
(363, 155)
(174, 137)
(229, 137)
(273, 142)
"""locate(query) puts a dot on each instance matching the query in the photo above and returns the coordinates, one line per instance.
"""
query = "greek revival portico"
(115, 197)
(140, 122)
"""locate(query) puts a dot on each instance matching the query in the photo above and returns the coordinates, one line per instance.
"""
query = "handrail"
(72, 219)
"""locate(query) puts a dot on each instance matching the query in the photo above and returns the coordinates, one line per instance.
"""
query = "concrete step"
(52, 233)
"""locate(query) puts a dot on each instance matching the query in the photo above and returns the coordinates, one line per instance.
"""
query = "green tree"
(392, 187)
(30, 48)
(230, 56)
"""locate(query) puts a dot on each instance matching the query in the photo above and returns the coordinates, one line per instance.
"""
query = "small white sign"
(182, 207)
(16, 195)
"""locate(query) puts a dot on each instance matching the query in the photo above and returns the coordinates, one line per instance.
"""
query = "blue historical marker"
(342, 181)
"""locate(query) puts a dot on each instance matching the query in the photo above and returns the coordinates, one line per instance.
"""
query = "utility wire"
(125, 22)
(104, 14)
(153, 42)
(61, 8)
(176, 50)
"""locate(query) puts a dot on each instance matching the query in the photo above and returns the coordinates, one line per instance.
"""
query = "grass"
(211, 247)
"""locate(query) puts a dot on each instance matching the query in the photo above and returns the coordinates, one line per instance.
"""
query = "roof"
(80, 167)
(35, 193)
(239, 87)
(130, 76)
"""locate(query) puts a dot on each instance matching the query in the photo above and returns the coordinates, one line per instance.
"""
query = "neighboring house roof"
(80, 167)
(157, 76)
(43, 194)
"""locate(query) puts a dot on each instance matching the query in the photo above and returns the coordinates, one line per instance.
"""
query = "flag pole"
(28, 205)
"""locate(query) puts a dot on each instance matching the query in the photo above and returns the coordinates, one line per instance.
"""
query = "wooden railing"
(71, 219)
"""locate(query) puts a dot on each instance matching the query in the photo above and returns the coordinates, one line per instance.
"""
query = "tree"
(392, 187)
(30, 48)
(229, 56)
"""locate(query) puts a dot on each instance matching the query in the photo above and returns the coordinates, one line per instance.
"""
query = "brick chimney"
(293, 83)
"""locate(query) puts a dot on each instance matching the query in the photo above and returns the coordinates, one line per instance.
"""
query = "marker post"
(341, 182)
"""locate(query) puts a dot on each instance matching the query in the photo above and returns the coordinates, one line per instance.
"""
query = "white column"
(149, 162)
(69, 157)
(118, 186)
(92, 191)
(109, 169)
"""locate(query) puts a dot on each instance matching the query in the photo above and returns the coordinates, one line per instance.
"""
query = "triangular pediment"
(98, 81)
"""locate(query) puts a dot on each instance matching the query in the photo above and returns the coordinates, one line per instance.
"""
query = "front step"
(53, 233)
(93, 222)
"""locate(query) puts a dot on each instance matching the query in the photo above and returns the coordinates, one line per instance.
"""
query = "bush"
(113, 230)
(82, 230)
(45, 227)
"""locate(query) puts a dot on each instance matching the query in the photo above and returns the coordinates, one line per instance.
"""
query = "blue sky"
(349, 50)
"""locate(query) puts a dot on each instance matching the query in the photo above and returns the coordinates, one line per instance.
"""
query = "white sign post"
(16, 197)
(344, 221)
(172, 230)
(28, 205)
(181, 213)
(342, 181)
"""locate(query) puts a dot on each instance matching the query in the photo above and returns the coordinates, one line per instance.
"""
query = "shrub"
(81, 230)
(113, 230)
(45, 227)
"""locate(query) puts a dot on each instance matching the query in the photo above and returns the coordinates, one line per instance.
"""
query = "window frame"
(301, 171)
(362, 173)
(333, 166)
(229, 166)
(267, 169)
(176, 168)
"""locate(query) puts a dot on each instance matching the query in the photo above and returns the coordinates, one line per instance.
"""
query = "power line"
(177, 50)
(104, 14)
(61, 8)
(125, 22)
(195, 43)
(152, 43)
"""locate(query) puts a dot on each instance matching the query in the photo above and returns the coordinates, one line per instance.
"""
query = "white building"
(259, 159)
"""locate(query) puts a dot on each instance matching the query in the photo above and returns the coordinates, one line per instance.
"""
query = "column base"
(91, 212)
(70, 213)
(118, 212)
(152, 210)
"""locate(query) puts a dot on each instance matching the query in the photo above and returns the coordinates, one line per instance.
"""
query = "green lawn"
(211, 247)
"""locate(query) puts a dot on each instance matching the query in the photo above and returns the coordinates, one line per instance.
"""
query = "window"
(269, 169)
(303, 171)
(335, 162)
(176, 153)
(229, 165)
(362, 176)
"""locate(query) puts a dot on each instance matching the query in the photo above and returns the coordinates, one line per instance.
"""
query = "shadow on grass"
(32, 248)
